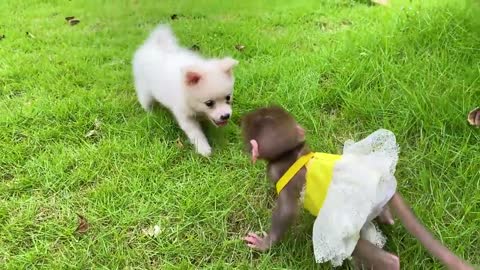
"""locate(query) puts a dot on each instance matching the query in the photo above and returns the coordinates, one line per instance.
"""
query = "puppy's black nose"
(225, 116)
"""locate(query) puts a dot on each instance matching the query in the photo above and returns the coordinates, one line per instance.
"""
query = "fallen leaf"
(97, 124)
(156, 230)
(69, 18)
(95, 130)
(83, 225)
(174, 16)
(19, 136)
(473, 117)
(195, 47)
(152, 231)
(7, 176)
(240, 47)
(381, 2)
(323, 25)
(74, 21)
(146, 232)
(30, 35)
(179, 143)
(91, 133)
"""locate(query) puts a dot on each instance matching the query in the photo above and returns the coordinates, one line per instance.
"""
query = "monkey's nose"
(225, 116)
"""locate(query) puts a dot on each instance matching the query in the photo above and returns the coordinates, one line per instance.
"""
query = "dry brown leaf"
(30, 35)
(74, 21)
(195, 47)
(97, 124)
(19, 136)
(473, 117)
(381, 2)
(240, 47)
(96, 128)
(91, 133)
(152, 231)
(179, 143)
(7, 176)
(83, 225)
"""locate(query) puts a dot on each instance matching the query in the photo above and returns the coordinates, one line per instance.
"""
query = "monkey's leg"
(370, 256)
(386, 216)
(435, 247)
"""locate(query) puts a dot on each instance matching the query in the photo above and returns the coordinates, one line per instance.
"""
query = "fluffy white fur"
(186, 83)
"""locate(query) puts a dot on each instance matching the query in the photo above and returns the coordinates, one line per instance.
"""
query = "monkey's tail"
(413, 226)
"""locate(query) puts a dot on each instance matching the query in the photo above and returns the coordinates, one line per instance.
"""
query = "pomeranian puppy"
(184, 82)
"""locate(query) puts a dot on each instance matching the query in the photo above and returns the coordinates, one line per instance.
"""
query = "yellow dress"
(346, 192)
(319, 175)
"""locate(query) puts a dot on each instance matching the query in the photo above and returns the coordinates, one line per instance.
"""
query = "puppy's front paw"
(204, 149)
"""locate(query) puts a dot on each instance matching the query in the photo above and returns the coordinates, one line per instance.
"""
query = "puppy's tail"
(163, 37)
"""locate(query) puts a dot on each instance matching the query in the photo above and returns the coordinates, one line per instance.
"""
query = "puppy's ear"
(192, 76)
(227, 64)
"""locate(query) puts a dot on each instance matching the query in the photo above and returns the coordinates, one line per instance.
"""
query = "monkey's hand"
(258, 243)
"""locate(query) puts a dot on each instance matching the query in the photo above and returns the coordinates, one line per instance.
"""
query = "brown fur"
(280, 141)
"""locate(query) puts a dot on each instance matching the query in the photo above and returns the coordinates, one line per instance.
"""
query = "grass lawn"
(74, 140)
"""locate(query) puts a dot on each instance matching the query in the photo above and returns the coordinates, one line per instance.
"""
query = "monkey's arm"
(283, 214)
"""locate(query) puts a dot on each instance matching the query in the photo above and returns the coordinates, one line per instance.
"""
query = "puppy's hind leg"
(144, 96)
(194, 133)
(146, 100)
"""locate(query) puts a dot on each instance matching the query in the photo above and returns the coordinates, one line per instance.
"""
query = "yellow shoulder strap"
(283, 181)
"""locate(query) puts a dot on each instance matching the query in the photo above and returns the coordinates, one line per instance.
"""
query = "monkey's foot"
(387, 262)
(256, 242)
(386, 217)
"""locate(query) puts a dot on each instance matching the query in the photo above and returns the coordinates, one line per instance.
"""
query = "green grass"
(342, 67)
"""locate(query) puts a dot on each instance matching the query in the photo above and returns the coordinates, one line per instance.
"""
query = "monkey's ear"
(300, 132)
(254, 145)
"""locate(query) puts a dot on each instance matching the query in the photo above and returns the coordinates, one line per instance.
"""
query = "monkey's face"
(270, 132)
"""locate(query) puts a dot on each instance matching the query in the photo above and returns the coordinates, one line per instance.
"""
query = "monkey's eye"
(210, 103)
(228, 98)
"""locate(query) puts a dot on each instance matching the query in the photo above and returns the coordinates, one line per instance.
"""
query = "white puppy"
(186, 83)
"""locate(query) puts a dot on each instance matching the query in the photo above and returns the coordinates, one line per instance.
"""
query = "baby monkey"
(345, 192)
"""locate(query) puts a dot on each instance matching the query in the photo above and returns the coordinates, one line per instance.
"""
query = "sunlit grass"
(343, 68)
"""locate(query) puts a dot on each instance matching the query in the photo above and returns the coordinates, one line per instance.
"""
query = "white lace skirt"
(363, 182)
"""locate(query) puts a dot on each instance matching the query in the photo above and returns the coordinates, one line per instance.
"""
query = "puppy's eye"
(228, 98)
(210, 103)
